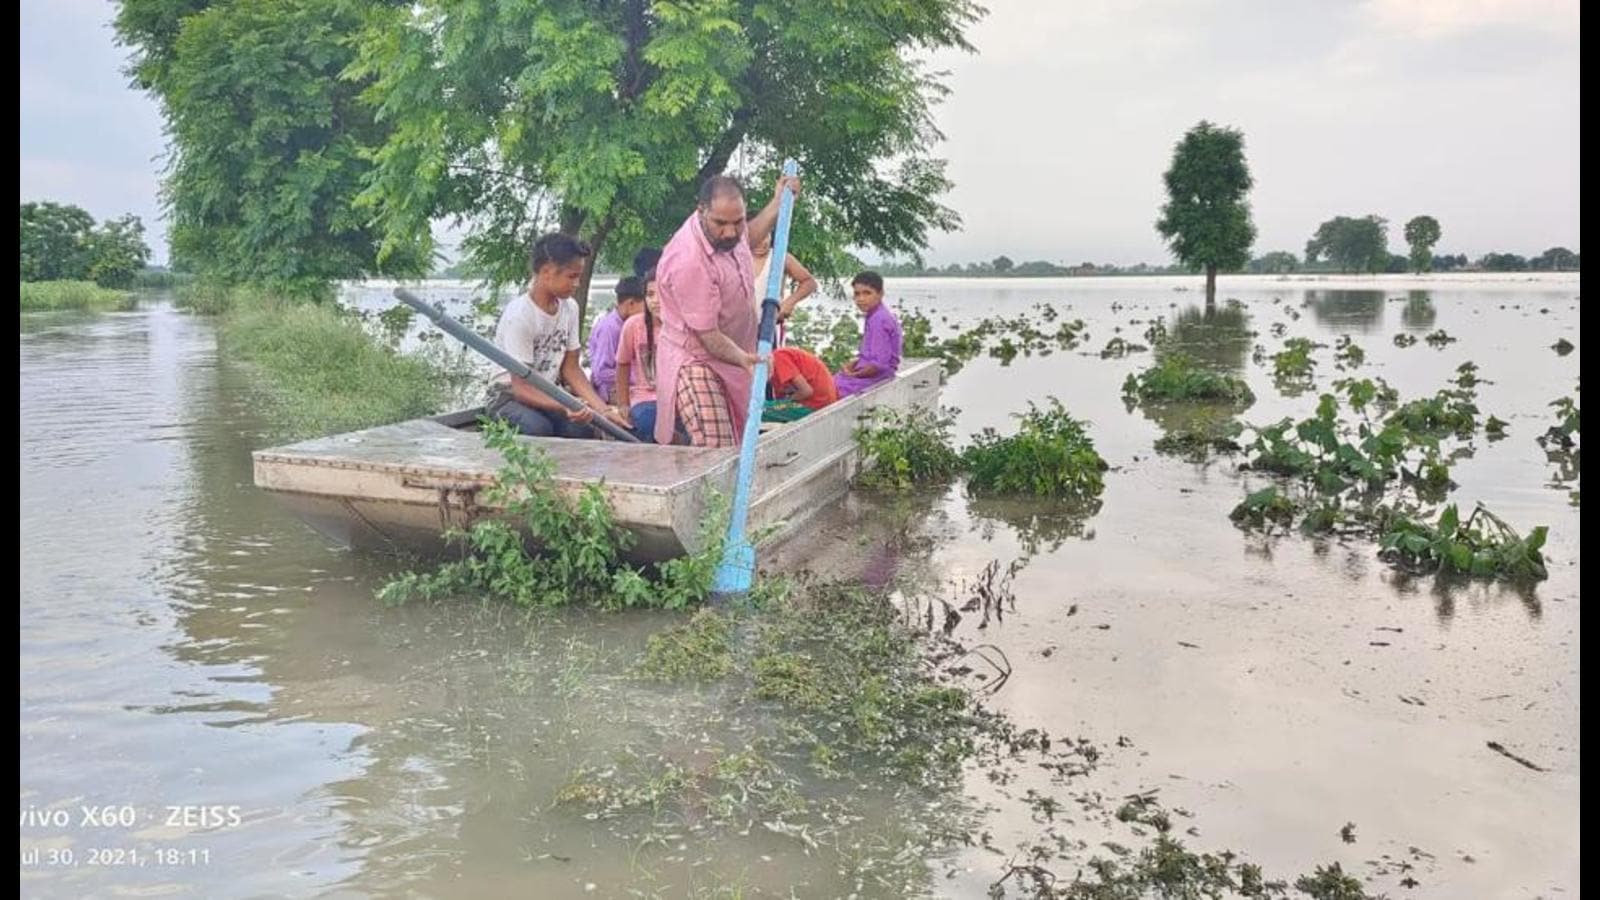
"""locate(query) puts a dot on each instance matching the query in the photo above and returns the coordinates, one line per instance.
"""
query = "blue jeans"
(643, 416)
(537, 422)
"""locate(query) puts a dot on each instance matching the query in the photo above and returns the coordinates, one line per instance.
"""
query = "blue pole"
(738, 567)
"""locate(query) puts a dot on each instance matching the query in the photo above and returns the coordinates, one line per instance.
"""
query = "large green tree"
(516, 116)
(1422, 233)
(1206, 219)
(270, 143)
(1354, 245)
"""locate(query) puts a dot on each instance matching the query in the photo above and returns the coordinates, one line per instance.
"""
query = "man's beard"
(723, 245)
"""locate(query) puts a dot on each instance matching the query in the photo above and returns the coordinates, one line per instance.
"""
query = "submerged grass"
(700, 649)
(48, 296)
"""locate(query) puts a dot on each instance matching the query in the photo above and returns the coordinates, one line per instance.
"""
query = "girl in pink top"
(636, 364)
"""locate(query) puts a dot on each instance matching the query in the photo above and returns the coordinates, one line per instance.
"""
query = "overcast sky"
(1059, 127)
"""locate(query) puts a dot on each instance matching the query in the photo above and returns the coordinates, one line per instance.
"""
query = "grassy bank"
(158, 279)
(43, 296)
(322, 372)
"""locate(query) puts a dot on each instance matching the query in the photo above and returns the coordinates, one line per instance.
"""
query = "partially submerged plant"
(1177, 378)
(1292, 367)
(1051, 455)
(1263, 509)
(1439, 338)
(1481, 546)
(1347, 353)
(549, 549)
(1446, 412)
(1117, 347)
(907, 450)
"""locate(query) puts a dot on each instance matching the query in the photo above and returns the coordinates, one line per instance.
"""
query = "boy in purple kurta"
(879, 358)
(607, 332)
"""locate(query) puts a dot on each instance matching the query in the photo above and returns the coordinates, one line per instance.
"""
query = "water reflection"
(1217, 337)
(1347, 310)
(1041, 526)
(1419, 313)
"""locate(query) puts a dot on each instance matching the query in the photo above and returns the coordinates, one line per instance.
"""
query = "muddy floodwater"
(214, 705)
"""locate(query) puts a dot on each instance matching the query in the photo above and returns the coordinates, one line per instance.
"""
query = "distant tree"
(1354, 245)
(1422, 233)
(116, 252)
(1278, 262)
(60, 241)
(55, 239)
(1503, 262)
(1556, 259)
(1002, 265)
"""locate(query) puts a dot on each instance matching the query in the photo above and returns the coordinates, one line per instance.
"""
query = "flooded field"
(186, 643)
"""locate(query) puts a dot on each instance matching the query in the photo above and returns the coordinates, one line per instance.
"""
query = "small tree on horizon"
(1422, 233)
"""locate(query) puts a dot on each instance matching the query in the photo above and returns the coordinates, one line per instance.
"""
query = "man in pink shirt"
(706, 349)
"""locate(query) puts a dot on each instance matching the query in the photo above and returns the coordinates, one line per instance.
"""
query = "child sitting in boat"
(636, 364)
(605, 334)
(800, 377)
(540, 328)
(879, 357)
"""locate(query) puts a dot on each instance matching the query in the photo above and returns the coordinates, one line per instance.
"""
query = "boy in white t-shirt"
(540, 328)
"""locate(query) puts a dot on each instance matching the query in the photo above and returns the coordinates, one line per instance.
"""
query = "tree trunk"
(722, 149)
(1211, 286)
(597, 244)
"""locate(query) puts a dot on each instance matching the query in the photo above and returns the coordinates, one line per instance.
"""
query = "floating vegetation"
(700, 649)
(1345, 472)
(1446, 412)
(1264, 508)
(1347, 353)
(1404, 340)
(1041, 332)
(1562, 347)
(1118, 348)
(1050, 455)
(1438, 339)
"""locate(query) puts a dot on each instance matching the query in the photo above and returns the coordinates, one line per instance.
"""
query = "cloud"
(1432, 19)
